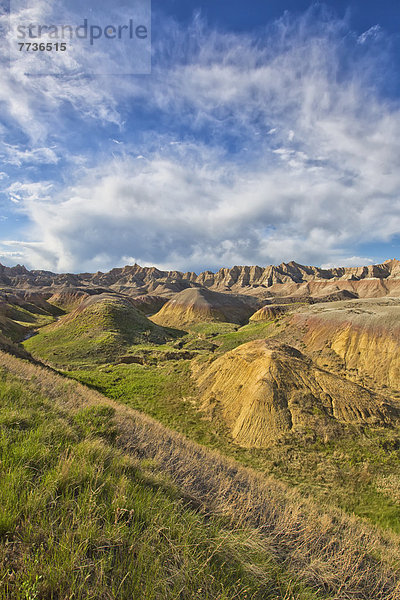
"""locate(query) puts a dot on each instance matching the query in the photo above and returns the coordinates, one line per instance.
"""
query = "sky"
(265, 132)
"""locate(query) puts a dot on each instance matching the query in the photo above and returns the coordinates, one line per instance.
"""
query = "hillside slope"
(83, 518)
(358, 339)
(101, 329)
(98, 531)
(197, 305)
(265, 391)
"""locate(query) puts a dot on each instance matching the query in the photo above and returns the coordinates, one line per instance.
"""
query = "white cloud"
(371, 33)
(28, 192)
(322, 178)
(348, 261)
(13, 155)
(186, 215)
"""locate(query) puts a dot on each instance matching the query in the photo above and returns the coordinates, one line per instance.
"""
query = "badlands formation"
(274, 351)
(265, 391)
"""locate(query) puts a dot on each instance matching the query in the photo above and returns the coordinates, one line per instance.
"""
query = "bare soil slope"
(360, 338)
(196, 305)
(265, 391)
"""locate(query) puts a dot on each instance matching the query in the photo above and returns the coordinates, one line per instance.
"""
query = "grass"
(227, 336)
(212, 329)
(106, 331)
(165, 392)
(81, 519)
(253, 331)
(349, 472)
(99, 501)
(34, 317)
(100, 333)
(344, 473)
(12, 330)
(16, 321)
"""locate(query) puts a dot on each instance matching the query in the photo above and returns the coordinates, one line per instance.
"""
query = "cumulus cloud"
(184, 215)
(274, 149)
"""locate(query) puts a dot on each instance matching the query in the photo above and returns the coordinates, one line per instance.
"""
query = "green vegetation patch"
(247, 333)
(16, 321)
(222, 337)
(97, 333)
(165, 392)
(358, 472)
(80, 519)
(12, 330)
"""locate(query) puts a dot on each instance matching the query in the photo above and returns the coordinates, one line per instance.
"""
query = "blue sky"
(238, 15)
(266, 132)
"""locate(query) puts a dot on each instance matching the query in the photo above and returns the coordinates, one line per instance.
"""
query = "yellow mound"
(196, 305)
(264, 393)
(271, 312)
(364, 335)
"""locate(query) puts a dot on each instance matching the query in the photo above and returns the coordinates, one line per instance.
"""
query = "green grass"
(12, 330)
(212, 329)
(222, 337)
(342, 473)
(165, 392)
(247, 333)
(16, 322)
(228, 336)
(34, 317)
(79, 519)
(101, 333)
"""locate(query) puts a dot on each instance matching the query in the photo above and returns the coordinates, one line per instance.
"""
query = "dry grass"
(340, 556)
(389, 485)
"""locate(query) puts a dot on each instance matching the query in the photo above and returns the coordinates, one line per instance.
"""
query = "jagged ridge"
(152, 280)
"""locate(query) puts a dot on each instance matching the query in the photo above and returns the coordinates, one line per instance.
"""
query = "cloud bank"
(252, 150)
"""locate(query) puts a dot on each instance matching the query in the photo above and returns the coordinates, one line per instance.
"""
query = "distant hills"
(284, 279)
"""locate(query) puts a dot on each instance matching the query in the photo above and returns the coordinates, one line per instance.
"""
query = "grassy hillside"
(82, 519)
(16, 322)
(358, 471)
(6, 345)
(98, 501)
(102, 329)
